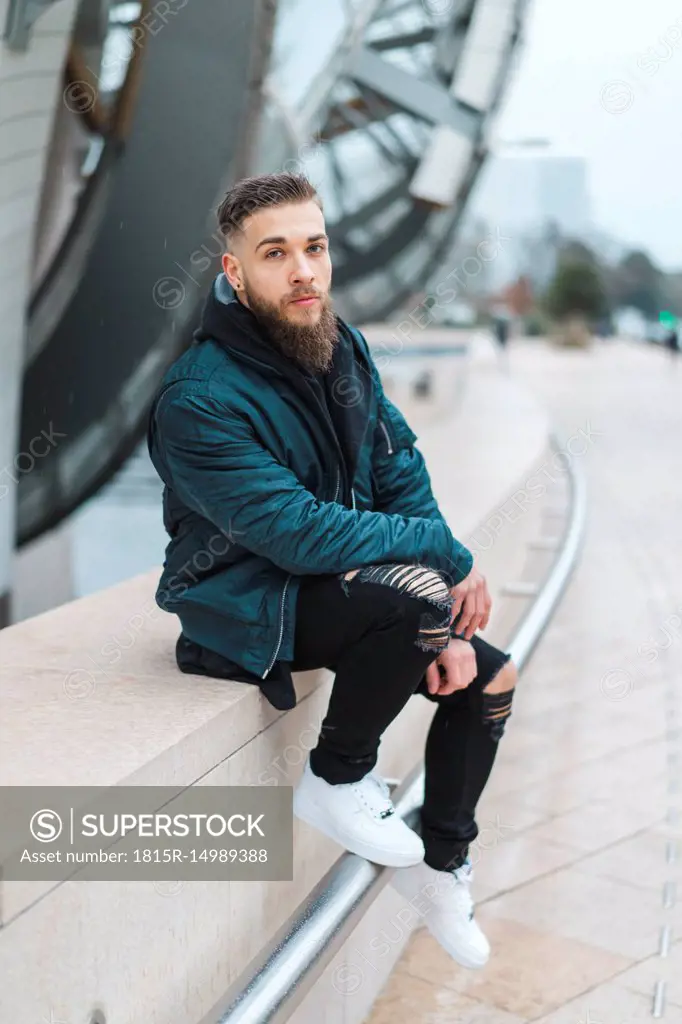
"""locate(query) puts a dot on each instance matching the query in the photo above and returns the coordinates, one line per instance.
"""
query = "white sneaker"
(444, 900)
(358, 816)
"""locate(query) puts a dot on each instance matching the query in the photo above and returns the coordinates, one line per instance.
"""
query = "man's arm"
(404, 486)
(217, 466)
(402, 482)
(400, 479)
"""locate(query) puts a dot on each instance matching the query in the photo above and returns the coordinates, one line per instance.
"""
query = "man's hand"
(473, 600)
(458, 666)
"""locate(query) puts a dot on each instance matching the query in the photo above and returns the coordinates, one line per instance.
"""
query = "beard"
(310, 345)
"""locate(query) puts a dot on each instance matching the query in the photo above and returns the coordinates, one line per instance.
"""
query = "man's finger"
(472, 620)
(451, 680)
(467, 609)
(487, 605)
(444, 673)
(432, 677)
(456, 608)
(459, 674)
(477, 617)
(481, 607)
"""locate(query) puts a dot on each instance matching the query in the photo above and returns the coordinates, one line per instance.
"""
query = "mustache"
(310, 293)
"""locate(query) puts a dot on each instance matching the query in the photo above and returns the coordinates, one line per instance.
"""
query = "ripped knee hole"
(497, 699)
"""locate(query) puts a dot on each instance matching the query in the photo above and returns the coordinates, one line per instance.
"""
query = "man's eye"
(316, 245)
(271, 253)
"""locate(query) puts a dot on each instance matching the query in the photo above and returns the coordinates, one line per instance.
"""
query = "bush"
(537, 324)
(576, 291)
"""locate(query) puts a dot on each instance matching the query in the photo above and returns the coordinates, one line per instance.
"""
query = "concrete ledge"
(90, 692)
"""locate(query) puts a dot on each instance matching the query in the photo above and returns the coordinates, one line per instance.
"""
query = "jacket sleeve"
(217, 466)
(400, 479)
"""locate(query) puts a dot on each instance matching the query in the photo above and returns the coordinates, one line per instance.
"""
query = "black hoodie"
(328, 395)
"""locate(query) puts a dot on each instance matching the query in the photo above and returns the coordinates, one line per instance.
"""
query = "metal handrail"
(287, 968)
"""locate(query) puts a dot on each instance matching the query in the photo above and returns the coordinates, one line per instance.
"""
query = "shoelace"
(382, 806)
(463, 878)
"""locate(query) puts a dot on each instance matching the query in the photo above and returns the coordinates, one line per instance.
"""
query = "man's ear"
(232, 270)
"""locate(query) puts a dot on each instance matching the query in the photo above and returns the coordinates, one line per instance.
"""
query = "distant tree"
(576, 290)
(574, 251)
(672, 292)
(638, 282)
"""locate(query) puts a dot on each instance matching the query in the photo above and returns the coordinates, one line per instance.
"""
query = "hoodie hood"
(343, 420)
(226, 320)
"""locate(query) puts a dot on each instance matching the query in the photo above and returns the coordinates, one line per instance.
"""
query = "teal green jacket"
(259, 491)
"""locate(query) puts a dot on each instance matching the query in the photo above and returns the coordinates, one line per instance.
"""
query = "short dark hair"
(251, 194)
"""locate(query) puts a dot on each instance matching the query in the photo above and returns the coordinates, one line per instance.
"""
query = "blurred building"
(545, 188)
(533, 200)
(121, 125)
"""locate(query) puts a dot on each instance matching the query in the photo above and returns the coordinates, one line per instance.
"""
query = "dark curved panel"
(145, 268)
(409, 228)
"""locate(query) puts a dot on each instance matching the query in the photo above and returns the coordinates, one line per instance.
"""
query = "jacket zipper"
(281, 629)
(338, 482)
(388, 439)
(281, 613)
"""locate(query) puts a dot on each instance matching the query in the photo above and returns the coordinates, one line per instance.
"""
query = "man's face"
(279, 267)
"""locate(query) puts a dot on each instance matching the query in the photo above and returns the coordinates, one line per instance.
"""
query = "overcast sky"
(578, 83)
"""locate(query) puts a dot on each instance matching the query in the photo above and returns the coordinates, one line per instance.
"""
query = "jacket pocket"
(394, 429)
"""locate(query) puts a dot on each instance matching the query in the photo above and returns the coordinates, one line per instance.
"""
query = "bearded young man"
(304, 534)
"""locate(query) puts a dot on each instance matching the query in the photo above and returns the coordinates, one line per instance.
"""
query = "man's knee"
(505, 679)
(414, 580)
(420, 583)
(497, 699)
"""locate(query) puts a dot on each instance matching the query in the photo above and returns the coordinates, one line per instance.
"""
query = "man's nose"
(302, 273)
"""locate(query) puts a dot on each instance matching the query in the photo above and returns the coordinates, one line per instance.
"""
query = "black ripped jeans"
(378, 629)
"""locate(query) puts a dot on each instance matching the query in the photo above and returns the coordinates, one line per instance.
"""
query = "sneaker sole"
(387, 858)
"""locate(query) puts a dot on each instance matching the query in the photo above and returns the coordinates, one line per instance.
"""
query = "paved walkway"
(581, 842)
